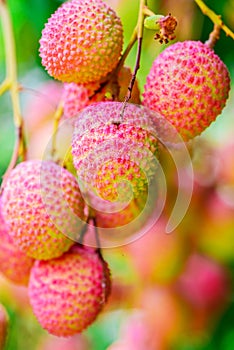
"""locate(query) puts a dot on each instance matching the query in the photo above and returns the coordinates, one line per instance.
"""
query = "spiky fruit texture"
(110, 156)
(78, 96)
(14, 264)
(82, 41)
(4, 320)
(188, 84)
(68, 293)
(42, 204)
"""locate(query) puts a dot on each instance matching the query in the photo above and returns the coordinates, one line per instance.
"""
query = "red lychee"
(42, 206)
(188, 84)
(82, 41)
(67, 293)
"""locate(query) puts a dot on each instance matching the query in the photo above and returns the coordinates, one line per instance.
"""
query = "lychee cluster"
(43, 217)
(114, 154)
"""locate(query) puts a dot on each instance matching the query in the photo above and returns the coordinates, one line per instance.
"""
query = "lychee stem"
(216, 19)
(83, 232)
(98, 242)
(140, 31)
(214, 36)
(57, 116)
(11, 83)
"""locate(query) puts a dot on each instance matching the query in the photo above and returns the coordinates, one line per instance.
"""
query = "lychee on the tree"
(188, 84)
(115, 159)
(68, 293)
(14, 264)
(82, 41)
(43, 208)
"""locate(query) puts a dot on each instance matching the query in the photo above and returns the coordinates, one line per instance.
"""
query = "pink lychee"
(188, 84)
(111, 155)
(42, 206)
(204, 283)
(67, 293)
(82, 41)
(14, 264)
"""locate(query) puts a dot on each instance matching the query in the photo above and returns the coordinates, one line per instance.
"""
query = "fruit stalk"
(216, 19)
(57, 116)
(11, 83)
(139, 30)
(214, 36)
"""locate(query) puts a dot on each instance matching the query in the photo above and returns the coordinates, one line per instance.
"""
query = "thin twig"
(4, 86)
(214, 36)
(83, 232)
(98, 242)
(140, 29)
(11, 84)
(216, 19)
(57, 117)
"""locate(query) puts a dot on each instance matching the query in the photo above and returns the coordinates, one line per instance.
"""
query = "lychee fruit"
(42, 206)
(77, 96)
(115, 159)
(188, 84)
(67, 293)
(204, 283)
(14, 264)
(82, 41)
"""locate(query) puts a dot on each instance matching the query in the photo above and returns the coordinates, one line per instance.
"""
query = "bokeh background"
(169, 291)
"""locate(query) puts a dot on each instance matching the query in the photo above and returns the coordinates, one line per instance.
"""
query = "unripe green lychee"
(82, 41)
(42, 206)
(110, 155)
(188, 84)
(67, 293)
(14, 264)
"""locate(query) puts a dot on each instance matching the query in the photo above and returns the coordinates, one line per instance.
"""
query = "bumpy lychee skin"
(82, 41)
(14, 264)
(42, 206)
(116, 160)
(77, 96)
(67, 293)
(188, 84)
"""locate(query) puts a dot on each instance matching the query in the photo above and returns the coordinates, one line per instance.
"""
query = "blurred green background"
(29, 17)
